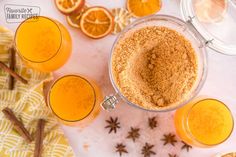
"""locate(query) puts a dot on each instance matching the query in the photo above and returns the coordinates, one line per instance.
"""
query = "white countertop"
(90, 59)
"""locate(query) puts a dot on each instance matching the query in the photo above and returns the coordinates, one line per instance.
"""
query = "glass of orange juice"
(74, 100)
(43, 43)
(204, 123)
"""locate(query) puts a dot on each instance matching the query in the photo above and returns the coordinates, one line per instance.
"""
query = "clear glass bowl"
(178, 25)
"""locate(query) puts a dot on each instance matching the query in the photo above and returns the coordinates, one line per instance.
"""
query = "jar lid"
(215, 21)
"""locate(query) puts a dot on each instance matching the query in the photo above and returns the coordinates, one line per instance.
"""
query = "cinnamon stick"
(39, 138)
(12, 73)
(12, 64)
(18, 125)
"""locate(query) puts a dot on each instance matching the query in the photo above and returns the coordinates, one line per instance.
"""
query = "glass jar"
(184, 28)
(203, 32)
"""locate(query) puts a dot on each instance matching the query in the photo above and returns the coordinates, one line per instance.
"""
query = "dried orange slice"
(121, 18)
(96, 22)
(140, 8)
(74, 19)
(69, 6)
(210, 11)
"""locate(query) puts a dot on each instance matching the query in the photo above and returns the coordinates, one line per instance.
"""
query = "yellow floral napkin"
(28, 103)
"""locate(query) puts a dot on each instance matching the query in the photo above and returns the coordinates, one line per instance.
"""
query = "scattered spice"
(121, 148)
(147, 150)
(39, 138)
(17, 124)
(12, 73)
(186, 146)
(113, 124)
(152, 122)
(155, 67)
(169, 139)
(12, 64)
(172, 155)
(133, 134)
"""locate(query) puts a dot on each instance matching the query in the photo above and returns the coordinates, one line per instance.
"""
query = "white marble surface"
(90, 58)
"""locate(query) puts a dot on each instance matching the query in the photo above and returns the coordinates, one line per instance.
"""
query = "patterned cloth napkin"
(28, 103)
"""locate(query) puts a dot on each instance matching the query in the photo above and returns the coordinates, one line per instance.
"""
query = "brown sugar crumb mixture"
(154, 67)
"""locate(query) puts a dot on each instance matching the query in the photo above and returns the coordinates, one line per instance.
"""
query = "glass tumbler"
(204, 123)
(74, 100)
(43, 43)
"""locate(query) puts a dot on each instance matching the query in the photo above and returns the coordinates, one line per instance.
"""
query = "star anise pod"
(147, 150)
(172, 155)
(186, 146)
(169, 139)
(133, 134)
(113, 124)
(152, 122)
(121, 148)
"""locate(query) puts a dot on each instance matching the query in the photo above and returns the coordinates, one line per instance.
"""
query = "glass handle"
(109, 102)
(192, 27)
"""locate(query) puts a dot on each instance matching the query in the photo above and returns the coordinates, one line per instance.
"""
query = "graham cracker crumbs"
(154, 67)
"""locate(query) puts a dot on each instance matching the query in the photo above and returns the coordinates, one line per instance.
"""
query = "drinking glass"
(43, 43)
(204, 123)
(74, 100)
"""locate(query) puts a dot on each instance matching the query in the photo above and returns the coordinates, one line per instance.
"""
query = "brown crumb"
(86, 146)
(155, 67)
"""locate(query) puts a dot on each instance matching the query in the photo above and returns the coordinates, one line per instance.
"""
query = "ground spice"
(154, 67)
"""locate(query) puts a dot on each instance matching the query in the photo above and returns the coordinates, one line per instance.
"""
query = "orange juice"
(74, 100)
(44, 44)
(205, 123)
